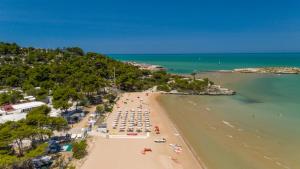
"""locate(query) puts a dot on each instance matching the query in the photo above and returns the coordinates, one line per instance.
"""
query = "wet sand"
(123, 153)
(256, 129)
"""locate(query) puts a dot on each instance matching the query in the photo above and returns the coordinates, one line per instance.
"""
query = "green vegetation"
(10, 97)
(69, 67)
(164, 87)
(38, 151)
(79, 149)
(68, 75)
(40, 94)
(71, 167)
(62, 95)
(7, 161)
(188, 85)
(36, 127)
(100, 109)
(72, 74)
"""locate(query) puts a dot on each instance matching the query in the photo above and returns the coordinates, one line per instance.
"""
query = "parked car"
(43, 162)
(61, 139)
(53, 147)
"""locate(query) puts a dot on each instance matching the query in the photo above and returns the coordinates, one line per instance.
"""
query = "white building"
(19, 108)
(30, 98)
(25, 107)
(12, 117)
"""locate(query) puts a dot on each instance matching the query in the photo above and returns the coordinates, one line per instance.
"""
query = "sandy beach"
(122, 153)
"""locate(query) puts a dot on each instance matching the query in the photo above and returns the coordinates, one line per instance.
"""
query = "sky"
(154, 26)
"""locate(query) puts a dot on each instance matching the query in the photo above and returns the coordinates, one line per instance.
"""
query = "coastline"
(125, 152)
(228, 132)
(181, 134)
(161, 156)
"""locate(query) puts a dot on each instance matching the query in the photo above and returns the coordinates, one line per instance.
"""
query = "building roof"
(12, 117)
(28, 97)
(28, 105)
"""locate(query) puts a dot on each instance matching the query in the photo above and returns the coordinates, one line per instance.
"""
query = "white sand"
(126, 153)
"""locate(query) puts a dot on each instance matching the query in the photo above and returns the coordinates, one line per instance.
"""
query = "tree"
(36, 125)
(100, 109)
(20, 131)
(43, 124)
(70, 71)
(57, 123)
(6, 161)
(79, 149)
(38, 151)
(10, 97)
(39, 119)
(12, 81)
(6, 138)
(4, 98)
(41, 94)
(9, 48)
(61, 104)
(62, 96)
(194, 75)
(75, 50)
(164, 87)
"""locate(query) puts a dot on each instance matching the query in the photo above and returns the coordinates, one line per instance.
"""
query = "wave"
(228, 124)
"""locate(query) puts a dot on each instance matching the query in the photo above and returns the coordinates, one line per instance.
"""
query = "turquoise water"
(263, 118)
(187, 63)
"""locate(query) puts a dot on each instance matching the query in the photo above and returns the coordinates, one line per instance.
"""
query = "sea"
(188, 63)
(258, 128)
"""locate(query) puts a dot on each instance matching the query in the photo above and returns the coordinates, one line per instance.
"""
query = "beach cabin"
(102, 128)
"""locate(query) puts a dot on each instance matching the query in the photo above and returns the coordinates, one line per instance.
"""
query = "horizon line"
(194, 53)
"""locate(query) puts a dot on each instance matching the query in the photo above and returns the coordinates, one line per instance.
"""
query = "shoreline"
(258, 70)
(125, 152)
(181, 135)
(220, 127)
(272, 70)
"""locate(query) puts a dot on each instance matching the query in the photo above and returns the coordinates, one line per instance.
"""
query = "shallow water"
(259, 128)
(187, 63)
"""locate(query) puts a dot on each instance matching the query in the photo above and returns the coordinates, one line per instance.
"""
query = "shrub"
(164, 87)
(38, 151)
(6, 161)
(71, 167)
(79, 149)
(100, 109)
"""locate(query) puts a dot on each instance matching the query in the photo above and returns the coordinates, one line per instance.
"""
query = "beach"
(253, 129)
(256, 129)
(119, 152)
